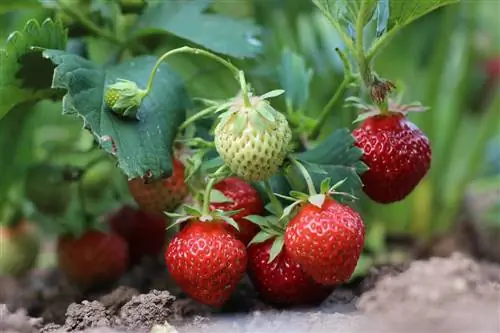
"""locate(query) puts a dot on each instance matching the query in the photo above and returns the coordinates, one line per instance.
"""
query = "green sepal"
(261, 237)
(217, 196)
(265, 110)
(272, 94)
(257, 219)
(276, 248)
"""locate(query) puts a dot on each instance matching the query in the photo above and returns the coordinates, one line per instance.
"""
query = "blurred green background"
(449, 60)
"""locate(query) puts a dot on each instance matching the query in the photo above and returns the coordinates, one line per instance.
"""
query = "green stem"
(306, 175)
(208, 190)
(348, 78)
(244, 90)
(326, 110)
(381, 42)
(87, 23)
(272, 197)
(186, 49)
(197, 116)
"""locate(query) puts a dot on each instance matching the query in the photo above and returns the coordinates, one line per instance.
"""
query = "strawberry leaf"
(18, 62)
(276, 248)
(189, 20)
(295, 78)
(143, 146)
(338, 157)
(402, 13)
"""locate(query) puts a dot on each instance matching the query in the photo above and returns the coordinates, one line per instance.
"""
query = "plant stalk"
(208, 190)
(306, 175)
(272, 197)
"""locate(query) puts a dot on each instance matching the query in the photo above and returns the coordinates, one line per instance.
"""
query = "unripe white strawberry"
(253, 139)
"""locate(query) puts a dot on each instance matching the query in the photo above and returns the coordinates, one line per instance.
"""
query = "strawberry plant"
(206, 124)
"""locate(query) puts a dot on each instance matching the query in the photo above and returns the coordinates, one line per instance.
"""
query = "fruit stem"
(244, 90)
(272, 197)
(197, 116)
(186, 49)
(208, 190)
(306, 175)
(348, 78)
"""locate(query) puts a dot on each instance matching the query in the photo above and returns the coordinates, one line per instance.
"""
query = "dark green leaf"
(7, 6)
(189, 20)
(19, 62)
(338, 157)
(276, 248)
(295, 78)
(402, 13)
(140, 146)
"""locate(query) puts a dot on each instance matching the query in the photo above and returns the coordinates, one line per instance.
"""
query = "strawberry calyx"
(188, 213)
(248, 110)
(124, 98)
(393, 108)
(272, 227)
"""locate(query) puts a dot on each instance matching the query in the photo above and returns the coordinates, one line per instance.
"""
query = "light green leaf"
(19, 62)
(276, 248)
(231, 222)
(402, 13)
(141, 147)
(272, 94)
(189, 20)
(266, 111)
(325, 185)
(295, 78)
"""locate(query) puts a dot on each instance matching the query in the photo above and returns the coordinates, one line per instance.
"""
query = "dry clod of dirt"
(17, 322)
(114, 301)
(86, 315)
(144, 311)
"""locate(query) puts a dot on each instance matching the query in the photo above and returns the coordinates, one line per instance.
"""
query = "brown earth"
(454, 294)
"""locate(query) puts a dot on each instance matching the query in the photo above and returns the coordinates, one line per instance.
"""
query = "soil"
(452, 294)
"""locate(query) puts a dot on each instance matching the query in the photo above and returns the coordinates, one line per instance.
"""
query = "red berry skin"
(161, 195)
(326, 242)
(206, 261)
(244, 196)
(397, 153)
(144, 232)
(282, 282)
(94, 259)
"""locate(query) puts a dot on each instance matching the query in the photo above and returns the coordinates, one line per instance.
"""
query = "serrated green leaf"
(140, 146)
(402, 13)
(295, 77)
(217, 196)
(261, 237)
(189, 20)
(339, 158)
(276, 248)
(18, 62)
(347, 12)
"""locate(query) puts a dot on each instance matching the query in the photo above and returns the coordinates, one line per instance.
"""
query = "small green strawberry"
(124, 98)
(252, 137)
(19, 248)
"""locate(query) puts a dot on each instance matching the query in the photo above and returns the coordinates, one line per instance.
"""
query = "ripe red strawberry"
(144, 232)
(244, 197)
(162, 195)
(397, 153)
(282, 282)
(206, 261)
(326, 241)
(93, 259)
